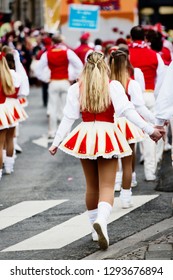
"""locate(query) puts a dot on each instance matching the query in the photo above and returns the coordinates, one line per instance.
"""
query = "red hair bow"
(2, 54)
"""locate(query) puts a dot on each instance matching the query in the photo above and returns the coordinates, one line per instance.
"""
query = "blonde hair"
(6, 77)
(119, 66)
(94, 84)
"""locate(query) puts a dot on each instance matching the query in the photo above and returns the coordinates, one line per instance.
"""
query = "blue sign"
(83, 17)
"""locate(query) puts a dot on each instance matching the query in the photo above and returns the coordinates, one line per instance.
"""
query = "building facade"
(27, 11)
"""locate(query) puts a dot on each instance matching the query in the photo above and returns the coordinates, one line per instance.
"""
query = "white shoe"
(126, 203)
(134, 181)
(126, 198)
(101, 229)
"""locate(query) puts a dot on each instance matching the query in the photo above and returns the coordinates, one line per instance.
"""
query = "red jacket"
(145, 59)
(58, 63)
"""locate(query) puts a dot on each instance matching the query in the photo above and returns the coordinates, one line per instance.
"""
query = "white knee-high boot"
(92, 215)
(100, 225)
(9, 164)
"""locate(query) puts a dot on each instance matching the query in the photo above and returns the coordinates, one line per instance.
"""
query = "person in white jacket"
(164, 102)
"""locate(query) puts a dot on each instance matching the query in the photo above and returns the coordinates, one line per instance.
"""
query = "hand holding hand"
(162, 130)
(53, 149)
(158, 133)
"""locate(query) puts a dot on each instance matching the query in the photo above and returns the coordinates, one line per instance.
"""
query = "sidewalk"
(152, 243)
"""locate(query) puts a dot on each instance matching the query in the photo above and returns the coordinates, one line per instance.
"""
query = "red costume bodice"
(107, 116)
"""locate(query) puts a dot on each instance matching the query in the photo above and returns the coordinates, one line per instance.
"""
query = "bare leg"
(9, 141)
(90, 169)
(2, 141)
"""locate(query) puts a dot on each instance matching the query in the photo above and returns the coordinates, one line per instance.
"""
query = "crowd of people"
(121, 92)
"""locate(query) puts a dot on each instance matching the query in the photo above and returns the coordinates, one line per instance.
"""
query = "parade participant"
(97, 141)
(137, 75)
(121, 70)
(9, 115)
(153, 68)
(58, 59)
(156, 39)
(84, 47)
(19, 113)
(24, 88)
(164, 101)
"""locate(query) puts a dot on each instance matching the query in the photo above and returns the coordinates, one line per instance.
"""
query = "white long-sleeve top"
(160, 73)
(24, 87)
(17, 81)
(122, 107)
(136, 97)
(75, 65)
(164, 101)
(139, 77)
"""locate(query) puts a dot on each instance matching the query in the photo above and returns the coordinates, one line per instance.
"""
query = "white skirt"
(90, 140)
(132, 133)
(16, 109)
(6, 117)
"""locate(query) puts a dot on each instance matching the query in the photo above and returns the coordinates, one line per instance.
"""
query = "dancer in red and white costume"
(19, 111)
(121, 70)
(97, 141)
(11, 112)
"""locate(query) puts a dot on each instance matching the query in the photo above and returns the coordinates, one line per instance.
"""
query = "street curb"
(133, 242)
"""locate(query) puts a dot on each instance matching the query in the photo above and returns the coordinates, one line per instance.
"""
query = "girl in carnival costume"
(10, 83)
(97, 141)
(122, 71)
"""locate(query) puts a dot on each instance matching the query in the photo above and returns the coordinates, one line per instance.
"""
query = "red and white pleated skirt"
(11, 112)
(133, 134)
(6, 117)
(90, 140)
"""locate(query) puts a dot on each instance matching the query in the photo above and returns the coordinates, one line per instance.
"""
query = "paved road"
(42, 209)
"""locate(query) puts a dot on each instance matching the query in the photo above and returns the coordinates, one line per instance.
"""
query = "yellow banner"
(52, 13)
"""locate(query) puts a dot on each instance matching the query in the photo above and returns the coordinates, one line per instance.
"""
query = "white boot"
(126, 198)
(92, 215)
(9, 164)
(0, 174)
(100, 224)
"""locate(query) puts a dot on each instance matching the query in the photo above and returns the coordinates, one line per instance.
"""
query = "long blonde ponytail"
(94, 84)
(6, 77)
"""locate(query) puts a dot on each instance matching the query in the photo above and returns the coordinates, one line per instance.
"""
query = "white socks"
(100, 225)
(104, 211)
(9, 164)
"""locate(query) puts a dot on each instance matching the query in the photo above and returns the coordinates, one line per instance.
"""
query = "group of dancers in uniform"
(114, 119)
(14, 88)
(110, 102)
